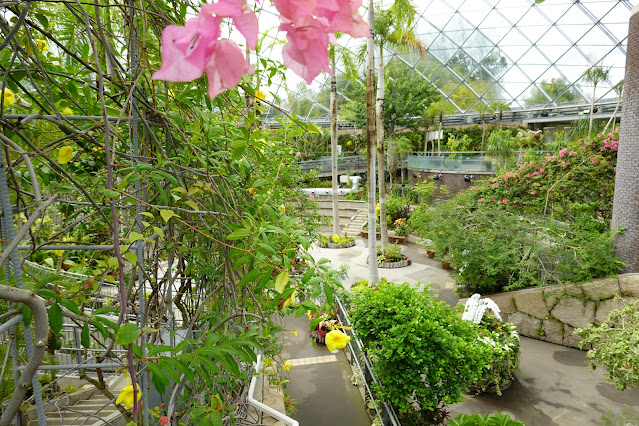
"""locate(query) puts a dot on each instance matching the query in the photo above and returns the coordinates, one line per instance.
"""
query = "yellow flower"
(126, 396)
(294, 332)
(67, 111)
(282, 208)
(42, 45)
(336, 238)
(252, 190)
(261, 150)
(336, 340)
(9, 97)
(286, 366)
(349, 143)
(65, 155)
(260, 95)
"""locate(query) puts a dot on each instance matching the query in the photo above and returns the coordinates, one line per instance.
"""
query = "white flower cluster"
(475, 308)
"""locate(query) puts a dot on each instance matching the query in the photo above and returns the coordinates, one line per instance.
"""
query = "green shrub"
(393, 253)
(423, 353)
(495, 419)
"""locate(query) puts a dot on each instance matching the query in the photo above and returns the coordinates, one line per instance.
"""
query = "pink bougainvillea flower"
(344, 17)
(291, 9)
(226, 67)
(186, 50)
(306, 50)
(243, 17)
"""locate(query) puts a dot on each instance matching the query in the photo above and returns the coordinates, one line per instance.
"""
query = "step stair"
(87, 407)
(354, 226)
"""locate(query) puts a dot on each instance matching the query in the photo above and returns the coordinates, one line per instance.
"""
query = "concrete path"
(554, 385)
(320, 381)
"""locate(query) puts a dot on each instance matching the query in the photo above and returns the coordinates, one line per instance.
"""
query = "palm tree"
(483, 110)
(394, 29)
(499, 107)
(594, 75)
(619, 90)
(351, 71)
(373, 276)
(439, 109)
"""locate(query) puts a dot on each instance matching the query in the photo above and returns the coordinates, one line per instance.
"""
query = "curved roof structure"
(524, 54)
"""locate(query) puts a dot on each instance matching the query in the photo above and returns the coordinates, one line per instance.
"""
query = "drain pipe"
(263, 407)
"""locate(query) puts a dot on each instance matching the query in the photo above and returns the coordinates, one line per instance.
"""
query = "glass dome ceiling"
(524, 54)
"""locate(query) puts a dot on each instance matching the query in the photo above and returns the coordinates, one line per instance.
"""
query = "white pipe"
(263, 407)
(342, 191)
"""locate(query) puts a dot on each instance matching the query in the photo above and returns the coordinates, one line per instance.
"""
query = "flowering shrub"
(502, 341)
(537, 222)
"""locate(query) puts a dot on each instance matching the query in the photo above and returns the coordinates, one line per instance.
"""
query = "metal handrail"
(386, 414)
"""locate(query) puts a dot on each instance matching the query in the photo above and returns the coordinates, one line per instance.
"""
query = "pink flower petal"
(247, 24)
(175, 67)
(226, 67)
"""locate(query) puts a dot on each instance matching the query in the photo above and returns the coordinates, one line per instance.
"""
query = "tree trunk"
(334, 147)
(483, 131)
(370, 151)
(381, 176)
(439, 138)
(592, 107)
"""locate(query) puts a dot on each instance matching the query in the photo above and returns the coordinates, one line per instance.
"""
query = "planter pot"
(491, 389)
(392, 265)
(337, 246)
(364, 234)
(445, 265)
(430, 253)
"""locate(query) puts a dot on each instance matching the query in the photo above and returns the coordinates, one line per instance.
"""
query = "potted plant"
(328, 331)
(445, 262)
(501, 342)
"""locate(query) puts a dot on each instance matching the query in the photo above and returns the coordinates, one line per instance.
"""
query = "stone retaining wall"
(552, 313)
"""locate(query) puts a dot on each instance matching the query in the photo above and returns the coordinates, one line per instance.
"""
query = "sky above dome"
(482, 51)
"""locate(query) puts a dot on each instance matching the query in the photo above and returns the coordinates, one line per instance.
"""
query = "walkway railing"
(465, 161)
(352, 163)
(360, 361)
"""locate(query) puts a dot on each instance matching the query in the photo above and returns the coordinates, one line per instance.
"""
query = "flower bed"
(336, 241)
(395, 264)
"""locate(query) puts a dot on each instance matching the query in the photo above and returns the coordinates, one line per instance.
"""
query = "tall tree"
(350, 71)
(373, 276)
(393, 29)
(619, 90)
(594, 75)
(439, 109)
(483, 110)
(500, 108)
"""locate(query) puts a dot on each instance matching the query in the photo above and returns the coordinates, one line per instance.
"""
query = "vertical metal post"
(133, 46)
(9, 234)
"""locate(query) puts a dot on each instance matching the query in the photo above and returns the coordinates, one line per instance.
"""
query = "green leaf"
(167, 215)
(101, 328)
(73, 307)
(131, 257)
(27, 316)
(238, 234)
(108, 194)
(160, 381)
(55, 318)
(46, 293)
(177, 365)
(281, 281)
(158, 231)
(46, 280)
(84, 336)
(135, 236)
(127, 334)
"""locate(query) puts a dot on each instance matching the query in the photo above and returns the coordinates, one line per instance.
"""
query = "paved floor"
(553, 386)
(320, 381)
